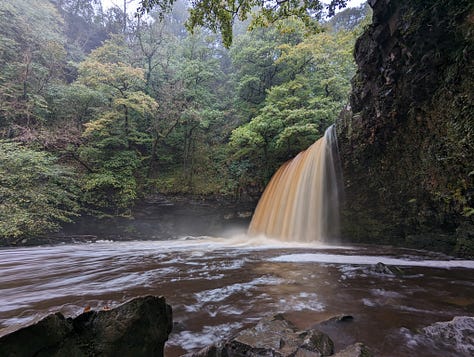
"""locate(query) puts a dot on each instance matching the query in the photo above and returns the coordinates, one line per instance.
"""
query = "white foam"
(209, 335)
(386, 293)
(369, 260)
(301, 302)
(368, 302)
(223, 293)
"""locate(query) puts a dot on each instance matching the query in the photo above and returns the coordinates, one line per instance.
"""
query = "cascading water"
(301, 202)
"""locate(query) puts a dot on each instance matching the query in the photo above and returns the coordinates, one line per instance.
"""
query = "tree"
(36, 193)
(254, 57)
(116, 141)
(32, 55)
(315, 75)
(220, 16)
(351, 18)
(84, 25)
(203, 90)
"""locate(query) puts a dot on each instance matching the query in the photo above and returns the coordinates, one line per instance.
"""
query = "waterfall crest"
(301, 201)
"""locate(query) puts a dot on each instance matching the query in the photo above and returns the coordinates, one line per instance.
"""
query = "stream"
(218, 286)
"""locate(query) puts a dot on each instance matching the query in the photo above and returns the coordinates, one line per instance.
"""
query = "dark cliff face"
(407, 145)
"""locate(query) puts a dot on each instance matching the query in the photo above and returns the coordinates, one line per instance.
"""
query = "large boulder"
(139, 327)
(457, 334)
(406, 143)
(276, 336)
(272, 336)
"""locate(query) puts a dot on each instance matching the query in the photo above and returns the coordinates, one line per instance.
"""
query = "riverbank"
(157, 217)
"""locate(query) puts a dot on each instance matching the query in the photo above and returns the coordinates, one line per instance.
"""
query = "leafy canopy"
(219, 15)
(113, 143)
(36, 193)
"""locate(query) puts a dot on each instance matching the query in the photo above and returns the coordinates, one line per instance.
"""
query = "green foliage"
(114, 145)
(75, 103)
(150, 106)
(312, 87)
(36, 193)
(32, 56)
(219, 16)
(113, 185)
(351, 19)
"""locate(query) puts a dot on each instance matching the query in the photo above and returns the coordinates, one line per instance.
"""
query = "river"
(218, 286)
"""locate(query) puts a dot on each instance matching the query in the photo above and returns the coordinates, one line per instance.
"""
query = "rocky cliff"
(407, 142)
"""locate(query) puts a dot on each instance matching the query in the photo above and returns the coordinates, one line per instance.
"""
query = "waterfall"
(301, 202)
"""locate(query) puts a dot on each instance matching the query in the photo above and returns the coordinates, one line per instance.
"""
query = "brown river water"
(219, 286)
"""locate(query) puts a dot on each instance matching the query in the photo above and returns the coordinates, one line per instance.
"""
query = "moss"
(408, 148)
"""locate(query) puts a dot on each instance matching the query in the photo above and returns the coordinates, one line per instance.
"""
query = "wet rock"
(381, 268)
(356, 350)
(337, 319)
(457, 333)
(42, 336)
(272, 336)
(140, 327)
(209, 351)
(407, 171)
(317, 341)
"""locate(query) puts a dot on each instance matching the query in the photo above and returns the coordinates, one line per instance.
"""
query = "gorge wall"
(407, 140)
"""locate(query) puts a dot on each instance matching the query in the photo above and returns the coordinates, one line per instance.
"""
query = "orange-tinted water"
(301, 201)
(219, 286)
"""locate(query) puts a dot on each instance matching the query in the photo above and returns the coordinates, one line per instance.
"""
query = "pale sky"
(133, 4)
(354, 3)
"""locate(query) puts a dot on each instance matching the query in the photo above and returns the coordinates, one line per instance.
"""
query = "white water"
(369, 260)
(218, 286)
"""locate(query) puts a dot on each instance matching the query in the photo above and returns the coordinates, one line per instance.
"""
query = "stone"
(381, 268)
(315, 340)
(356, 350)
(139, 327)
(405, 164)
(272, 336)
(42, 336)
(457, 334)
(337, 319)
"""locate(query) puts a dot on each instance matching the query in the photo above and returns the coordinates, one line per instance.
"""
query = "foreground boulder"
(275, 336)
(139, 327)
(457, 334)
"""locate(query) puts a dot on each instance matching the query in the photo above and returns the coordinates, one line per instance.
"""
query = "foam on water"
(220, 294)
(207, 336)
(370, 260)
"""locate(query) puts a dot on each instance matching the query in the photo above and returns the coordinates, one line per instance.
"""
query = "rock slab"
(275, 336)
(139, 327)
(457, 333)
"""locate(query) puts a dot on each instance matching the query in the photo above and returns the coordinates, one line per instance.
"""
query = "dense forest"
(99, 109)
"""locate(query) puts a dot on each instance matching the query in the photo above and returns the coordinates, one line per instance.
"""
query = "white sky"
(133, 4)
(354, 3)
